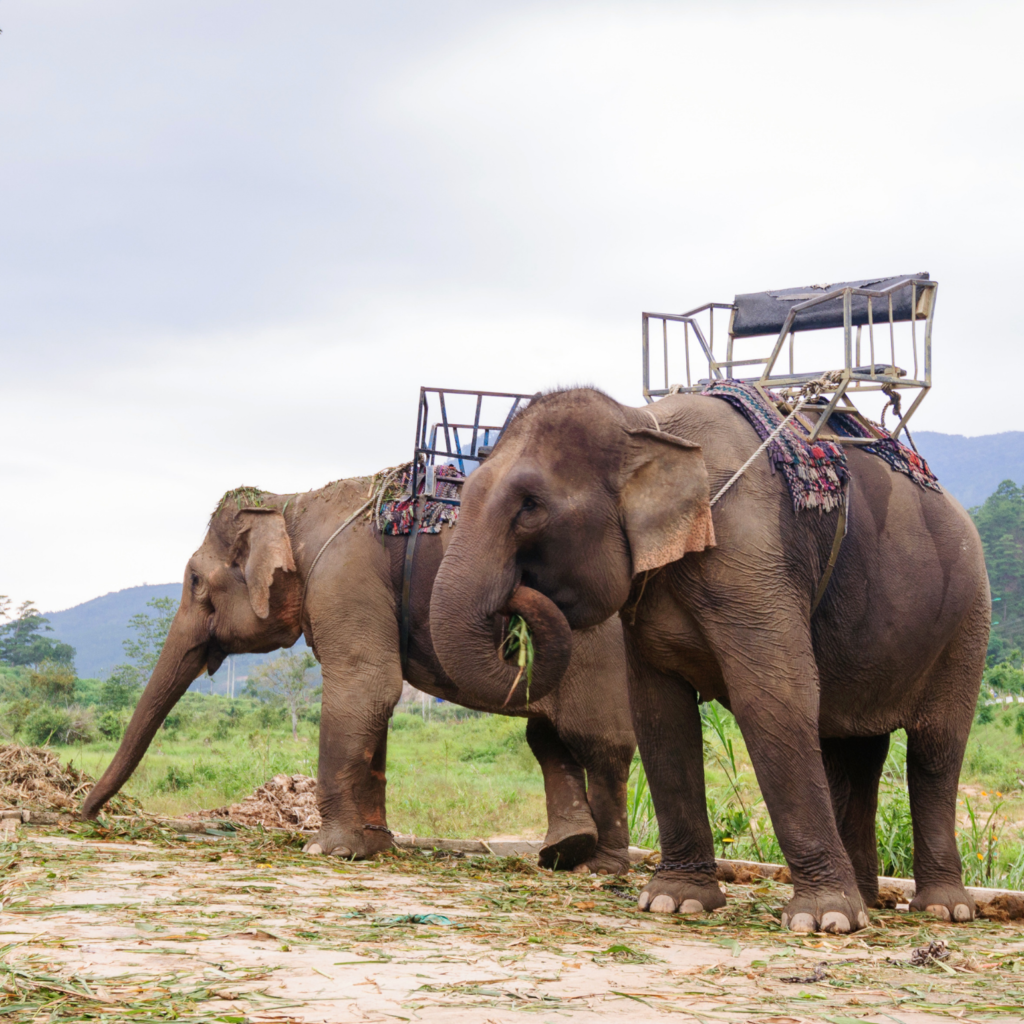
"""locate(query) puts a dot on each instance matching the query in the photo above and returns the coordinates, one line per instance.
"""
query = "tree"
(21, 639)
(54, 683)
(121, 690)
(288, 681)
(1000, 522)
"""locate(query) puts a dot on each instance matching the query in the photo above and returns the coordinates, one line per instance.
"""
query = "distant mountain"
(97, 628)
(971, 468)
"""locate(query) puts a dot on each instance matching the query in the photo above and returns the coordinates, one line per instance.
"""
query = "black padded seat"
(761, 313)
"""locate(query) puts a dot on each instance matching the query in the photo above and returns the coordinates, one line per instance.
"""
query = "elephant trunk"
(467, 603)
(180, 663)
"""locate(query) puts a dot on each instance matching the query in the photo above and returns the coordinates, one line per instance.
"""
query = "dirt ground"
(145, 925)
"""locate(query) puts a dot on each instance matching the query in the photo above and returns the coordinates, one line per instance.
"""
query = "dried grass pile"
(34, 778)
(286, 801)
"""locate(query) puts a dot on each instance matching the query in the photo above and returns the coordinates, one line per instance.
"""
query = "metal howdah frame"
(896, 300)
(437, 436)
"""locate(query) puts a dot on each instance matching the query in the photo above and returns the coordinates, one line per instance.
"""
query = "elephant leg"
(572, 833)
(607, 794)
(667, 725)
(772, 682)
(935, 753)
(362, 685)
(593, 721)
(853, 767)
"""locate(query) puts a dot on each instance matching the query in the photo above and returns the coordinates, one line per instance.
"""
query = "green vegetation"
(1000, 522)
(21, 637)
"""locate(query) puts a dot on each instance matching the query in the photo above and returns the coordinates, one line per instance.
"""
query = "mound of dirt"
(286, 801)
(34, 778)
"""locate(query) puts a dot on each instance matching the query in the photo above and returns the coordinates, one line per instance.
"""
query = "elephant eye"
(529, 504)
(195, 580)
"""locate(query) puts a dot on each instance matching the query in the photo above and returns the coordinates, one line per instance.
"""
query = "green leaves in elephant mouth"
(518, 647)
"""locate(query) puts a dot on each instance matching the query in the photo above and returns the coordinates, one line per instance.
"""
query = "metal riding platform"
(455, 427)
(835, 361)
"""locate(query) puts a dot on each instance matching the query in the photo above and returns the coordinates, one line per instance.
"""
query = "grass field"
(461, 774)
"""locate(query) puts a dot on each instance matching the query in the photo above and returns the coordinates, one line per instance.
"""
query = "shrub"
(61, 725)
(111, 724)
(177, 779)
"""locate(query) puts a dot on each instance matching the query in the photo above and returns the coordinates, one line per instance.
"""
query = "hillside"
(971, 468)
(97, 628)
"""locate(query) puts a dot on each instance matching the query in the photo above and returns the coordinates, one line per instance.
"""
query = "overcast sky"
(236, 237)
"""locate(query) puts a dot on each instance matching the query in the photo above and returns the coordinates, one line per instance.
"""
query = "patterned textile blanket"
(395, 517)
(816, 473)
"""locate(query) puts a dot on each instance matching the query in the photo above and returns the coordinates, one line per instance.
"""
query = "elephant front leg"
(777, 712)
(572, 833)
(667, 725)
(359, 697)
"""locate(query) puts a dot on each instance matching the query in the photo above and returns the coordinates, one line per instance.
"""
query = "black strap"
(837, 543)
(410, 549)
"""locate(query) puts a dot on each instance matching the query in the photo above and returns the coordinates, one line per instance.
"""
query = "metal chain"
(700, 867)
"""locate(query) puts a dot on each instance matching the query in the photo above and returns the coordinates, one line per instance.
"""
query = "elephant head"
(241, 593)
(579, 496)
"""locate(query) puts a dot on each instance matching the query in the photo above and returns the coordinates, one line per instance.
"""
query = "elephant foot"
(351, 844)
(948, 901)
(605, 862)
(825, 912)
(669, 892)
(568, 845)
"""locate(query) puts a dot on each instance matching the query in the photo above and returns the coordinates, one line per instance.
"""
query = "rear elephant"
(603, 508)
(248, 589)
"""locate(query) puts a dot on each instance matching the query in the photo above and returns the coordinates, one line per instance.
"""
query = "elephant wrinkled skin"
(602, 507)
(243, 592)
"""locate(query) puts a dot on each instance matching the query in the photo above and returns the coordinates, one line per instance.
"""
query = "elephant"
(590, 507)
(245, 590)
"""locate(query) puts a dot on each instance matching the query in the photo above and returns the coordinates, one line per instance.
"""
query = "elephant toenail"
(962, 912)
(691, 907)
(803, 923)
(644, 901)
(313, 848)
(341, 851)
(833, 921)
(863, 920)
(663, 904)
(785, 920)
(938, 910)
(581, 869)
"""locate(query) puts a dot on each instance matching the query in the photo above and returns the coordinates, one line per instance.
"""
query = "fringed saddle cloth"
(816, 473)
(395, 516)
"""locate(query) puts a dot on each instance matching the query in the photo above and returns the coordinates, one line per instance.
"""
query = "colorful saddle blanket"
(395, 516)
(816, 473)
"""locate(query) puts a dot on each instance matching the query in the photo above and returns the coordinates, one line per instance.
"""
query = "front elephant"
(605, 508)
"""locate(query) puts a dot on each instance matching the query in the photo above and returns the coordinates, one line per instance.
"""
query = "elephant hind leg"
(935, 753)
(572, 833)
(853, 766)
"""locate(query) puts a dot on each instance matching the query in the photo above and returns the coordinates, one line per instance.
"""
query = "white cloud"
(236, 242)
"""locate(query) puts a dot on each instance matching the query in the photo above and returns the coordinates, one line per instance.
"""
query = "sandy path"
(243, 930)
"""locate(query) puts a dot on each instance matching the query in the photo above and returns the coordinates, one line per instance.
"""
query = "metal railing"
(851, 377)
(439, 436)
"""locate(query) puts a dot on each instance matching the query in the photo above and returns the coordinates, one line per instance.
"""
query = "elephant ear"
(665, 498)
(261, 547)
